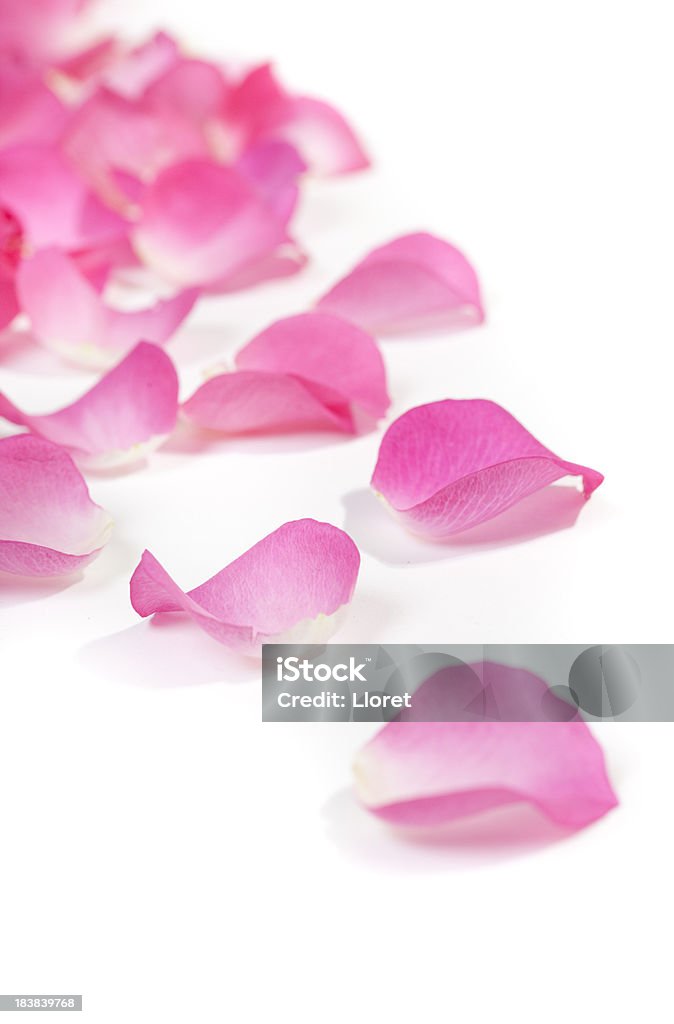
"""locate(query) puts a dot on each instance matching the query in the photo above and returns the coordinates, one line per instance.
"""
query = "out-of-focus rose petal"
(68, 315)
(415, 282)
(126, 415)
(29, 110)
(135, 71)
(425, 774)
(447, 466)
(195, 89)
(53, 203)
(11, 247)
(9, 306)
(202, 224)
(260, 108)
(291, 587)
(37, 29)
(310, 371)
(49, 526)
(273, 168)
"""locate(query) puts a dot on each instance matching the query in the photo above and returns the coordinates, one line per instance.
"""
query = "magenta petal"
(415, 282)
(69, 316)
(448, 466)
(427, 774)
(29, 110)
(202, 223)
(292, 586)
(307, 371)
(53, 203)
(129, 413)
(49, 526)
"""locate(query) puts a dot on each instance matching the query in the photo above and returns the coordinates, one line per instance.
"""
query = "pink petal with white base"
(260, 108)
(53, 203)
(448, 466)
(126, 415)
(416, 282)
(293, 586)
(310, 371)
(49, 526)
(68, 315)
(426, 774)
(202, 224)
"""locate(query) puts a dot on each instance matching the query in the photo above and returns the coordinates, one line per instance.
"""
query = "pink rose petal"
(69, 316)
(135, 71)
(417, 774)
(29, 110)
(260, 108)
(195, 89)
(202, 224)
(447, 466)
(274, 168)
(11, 246)
(415, 282)
(307, 371)
(49, 526)
(53, 203)
(293, 586)
(127, 414)
(37, 29)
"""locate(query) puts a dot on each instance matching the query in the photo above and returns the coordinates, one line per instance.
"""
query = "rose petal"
(293, 586)
(273, 168)
(260, 108)
(9, 306)
(49, 526)
(195, 89)
(202, 223)
(11, 245)
(29, 110)
(127, 414)
(447, 466)
(69, 316)
(55, 206)
(135, 71)
(414, 282)
(37, 29)
(427, 774)
(307, 371)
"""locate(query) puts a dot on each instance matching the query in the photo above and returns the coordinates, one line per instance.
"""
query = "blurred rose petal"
(447, 466)
(310, 371)
(68, 315)
(11, 246)
(29, 110)
(291, 587)
(415, 282)
(126, 415)
(37, 29)
(49, 526)
(204, 224)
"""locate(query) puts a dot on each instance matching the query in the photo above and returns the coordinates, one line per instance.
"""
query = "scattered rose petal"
(49, 526)
(274, 168)
(260, 108)
(307, 371)
(414, 282)
(55, 206)
(202, 224)
(425, 774)
(126, 415)
(291, 587)
(447, 466)
(37, 29)
(68, 315)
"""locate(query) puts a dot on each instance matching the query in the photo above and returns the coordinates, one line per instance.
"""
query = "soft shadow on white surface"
(167, 652)
(188, 439)
(478, 841)
(16, 590)
(21, 353)
(376, 531)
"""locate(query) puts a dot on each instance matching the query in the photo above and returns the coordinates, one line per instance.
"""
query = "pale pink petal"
(310, 371)
(9, 306)
(37, 29)
(293, 586)
(415, 282)
(134, 72)
(426, 774)
(447, 466)
(49, 526)
(68, 315)
(274, 168)
(126, 415)
(29, 110)
(260, 108)
(202, 224)
(55, 206)
(195, 89)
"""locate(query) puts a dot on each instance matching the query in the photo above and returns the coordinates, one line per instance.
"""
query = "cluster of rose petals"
(311, 371)
(426, 774)
(49, 526)
(127, 414)
(291, 587)
(451, 465)
(416, 282)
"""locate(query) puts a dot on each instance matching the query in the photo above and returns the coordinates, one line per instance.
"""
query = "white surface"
(164, 853)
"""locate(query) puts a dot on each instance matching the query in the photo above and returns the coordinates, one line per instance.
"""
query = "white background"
(160, 850)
